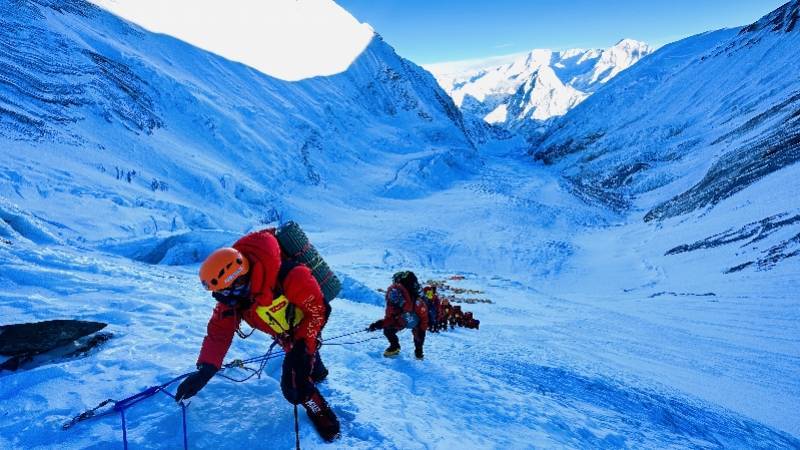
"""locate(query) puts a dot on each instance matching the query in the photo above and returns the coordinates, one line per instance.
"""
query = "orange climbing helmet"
(222, 267)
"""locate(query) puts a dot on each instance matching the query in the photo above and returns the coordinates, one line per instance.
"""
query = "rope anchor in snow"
(88, 414)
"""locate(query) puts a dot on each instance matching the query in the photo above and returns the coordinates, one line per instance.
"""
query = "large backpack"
(397, 296)
(408, 280)
(297, 249)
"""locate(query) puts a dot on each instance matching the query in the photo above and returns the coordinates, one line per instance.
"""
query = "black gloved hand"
(375, 326)
(194, 382)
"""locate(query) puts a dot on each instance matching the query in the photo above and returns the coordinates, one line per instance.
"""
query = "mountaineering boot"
(393, 350)
(418, 353)
(322, 416)
(318, 372)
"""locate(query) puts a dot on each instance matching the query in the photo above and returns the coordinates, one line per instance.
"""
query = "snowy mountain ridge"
(511, 94)
(127, 157)
(146, 120)
(691, 126)
(784, 19)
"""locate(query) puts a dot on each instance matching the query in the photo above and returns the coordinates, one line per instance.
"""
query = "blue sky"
(428, 31)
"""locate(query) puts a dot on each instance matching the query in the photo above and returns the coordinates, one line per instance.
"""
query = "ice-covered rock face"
(541, 97)
(784, 19)
(524, 91)
(102, 119)
(693, 124)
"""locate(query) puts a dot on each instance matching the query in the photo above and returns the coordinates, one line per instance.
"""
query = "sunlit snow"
(288, 39)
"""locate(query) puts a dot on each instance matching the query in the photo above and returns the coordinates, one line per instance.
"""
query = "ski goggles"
(239, 288)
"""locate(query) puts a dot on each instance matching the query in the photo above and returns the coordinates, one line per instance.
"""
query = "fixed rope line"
(120, 406)
(262, 360)
(345, 335)
(354, 342)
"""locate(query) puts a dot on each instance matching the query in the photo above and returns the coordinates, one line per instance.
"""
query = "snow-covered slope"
(525, 90)
(693, 125)
(123, 152)
(152, 133)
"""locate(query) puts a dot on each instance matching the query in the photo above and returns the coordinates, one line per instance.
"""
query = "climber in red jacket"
(404, 309)
(251, 282)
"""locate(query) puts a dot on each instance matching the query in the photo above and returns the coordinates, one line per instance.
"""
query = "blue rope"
(124, 430)
(185, 434)
(353, 342)
(128, 402)
(262, 360)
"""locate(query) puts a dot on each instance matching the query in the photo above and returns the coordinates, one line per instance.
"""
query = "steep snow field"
(128, 156)
(590, 366)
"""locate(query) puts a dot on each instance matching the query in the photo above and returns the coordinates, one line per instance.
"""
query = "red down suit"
(398, 306)
(299, 288)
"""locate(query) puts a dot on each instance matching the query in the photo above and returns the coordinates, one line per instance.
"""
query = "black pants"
(300, 369)
(391, 335)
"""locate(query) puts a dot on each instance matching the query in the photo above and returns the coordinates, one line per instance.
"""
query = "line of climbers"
(274, 290)
(448, 316)
(421, 310)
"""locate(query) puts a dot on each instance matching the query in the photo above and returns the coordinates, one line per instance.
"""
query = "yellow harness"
(280, 315)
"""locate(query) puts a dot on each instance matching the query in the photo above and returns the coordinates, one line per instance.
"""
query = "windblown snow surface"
(130, 156)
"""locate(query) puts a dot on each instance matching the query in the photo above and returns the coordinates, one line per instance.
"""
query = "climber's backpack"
(397, 296)
(297, 249)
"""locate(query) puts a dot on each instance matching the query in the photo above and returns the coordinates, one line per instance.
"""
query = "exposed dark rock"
(752, 232)
(772, 256)
(735, 171)
(555, 152)
(91, 343)
(593, 193)
(623, 175)
(64, 87)
(739, 268)
(784, 19)
(748, 235)
(39, 337)
(35, 344)
(759, 119)
(310, 146)
(682, 294)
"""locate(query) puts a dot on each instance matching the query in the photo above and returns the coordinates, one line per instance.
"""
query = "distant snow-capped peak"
(536, 85)
(543, 96)
(614, 60)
